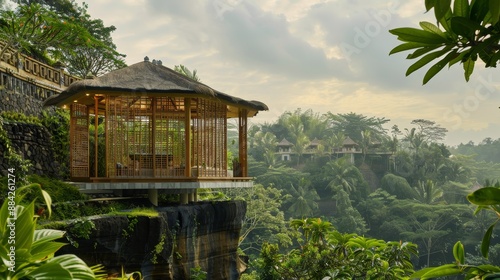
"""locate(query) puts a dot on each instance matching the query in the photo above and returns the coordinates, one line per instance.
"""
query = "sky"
(324, 55)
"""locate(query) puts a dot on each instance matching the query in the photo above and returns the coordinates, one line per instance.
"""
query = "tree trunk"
(429, 246)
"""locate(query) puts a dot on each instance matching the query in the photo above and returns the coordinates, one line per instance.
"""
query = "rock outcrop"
(181, 238)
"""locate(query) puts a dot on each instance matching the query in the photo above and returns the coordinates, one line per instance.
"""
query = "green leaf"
(420, 273)
(439, 66)
(421, 52)
(25, 227)
(44, 235)
(465, 27)
(485, 196)
(46, 249)
(442, 271)
(409, 34)
(4, 215)
(429, 4)
(494, 11)
(461, 8)
(486, 48)
(408, 46)
(495, 276)
(485, 244)
(76, 266)
(459, 252)
(441, 7)
(479, 10)
(424, 60)
(42, 243)
(20, 192)
(493, 60)
(63, 267)
(427, 26)
(489, 268)
(468, 69)
(48, 201)
(49, 271)
(446, 25)
(456, 59)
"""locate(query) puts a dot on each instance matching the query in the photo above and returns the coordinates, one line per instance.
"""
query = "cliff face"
(203, 235)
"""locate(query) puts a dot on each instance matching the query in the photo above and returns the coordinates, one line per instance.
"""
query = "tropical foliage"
(486, 199)
(325, 253)
(410, 187)
(60, 31)
(466, 30)
(27, 253)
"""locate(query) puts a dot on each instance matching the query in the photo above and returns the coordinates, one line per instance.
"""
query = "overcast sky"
(328, 56)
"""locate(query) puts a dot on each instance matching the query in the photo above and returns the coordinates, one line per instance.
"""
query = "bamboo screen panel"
(79, 137)
(170, 142)
(145, 136)
(209, 139)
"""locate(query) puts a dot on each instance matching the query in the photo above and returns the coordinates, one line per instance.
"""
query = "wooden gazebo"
(148, 127)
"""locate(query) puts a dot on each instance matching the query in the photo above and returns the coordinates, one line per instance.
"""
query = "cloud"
(327, 55)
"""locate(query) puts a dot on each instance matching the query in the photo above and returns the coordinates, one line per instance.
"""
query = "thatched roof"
(147, 78)
(349, 142)
(285, 142)
(315, 142)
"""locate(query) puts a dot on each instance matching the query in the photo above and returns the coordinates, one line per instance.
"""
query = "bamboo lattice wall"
(146, 137)
(79, 137)
(210, 139)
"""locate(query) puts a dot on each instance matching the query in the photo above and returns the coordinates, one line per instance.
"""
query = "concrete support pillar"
(195, 195)
(153, 196)
(191, 196)
(184, 198)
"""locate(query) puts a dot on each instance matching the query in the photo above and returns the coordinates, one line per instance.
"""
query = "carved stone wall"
(32, 142)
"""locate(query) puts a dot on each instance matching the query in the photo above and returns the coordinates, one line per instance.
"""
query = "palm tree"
(270, 157)
(314, 229)
(343, 174)
(366, 139)
(303, 199)
(266, 144)
(428, 193)
(415, 139)
(354, 124)
(292, 124)
(334, 142)
(300, 146)
(393, 145)
(186, 72)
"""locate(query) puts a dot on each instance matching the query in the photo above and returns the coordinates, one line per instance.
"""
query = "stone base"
(201, 235)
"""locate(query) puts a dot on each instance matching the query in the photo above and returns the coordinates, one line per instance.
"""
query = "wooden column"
(106, 136)
(187, 135)
(242, 138)
(153, 134)
(96, 135)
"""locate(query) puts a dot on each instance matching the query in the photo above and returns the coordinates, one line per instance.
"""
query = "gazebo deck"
(177, 184)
